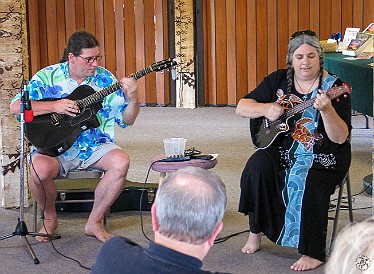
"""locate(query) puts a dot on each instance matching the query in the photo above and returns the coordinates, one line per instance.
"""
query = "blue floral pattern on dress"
(302, 158)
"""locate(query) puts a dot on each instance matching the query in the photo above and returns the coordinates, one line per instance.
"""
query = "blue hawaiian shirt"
(54, 82)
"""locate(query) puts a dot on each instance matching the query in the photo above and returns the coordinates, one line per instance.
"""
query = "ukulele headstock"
(336, 91)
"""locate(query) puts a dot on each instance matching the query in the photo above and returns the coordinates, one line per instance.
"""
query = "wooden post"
(184, 49)
(13, 69)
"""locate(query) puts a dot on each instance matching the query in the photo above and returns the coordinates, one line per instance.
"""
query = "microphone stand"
(21, 228)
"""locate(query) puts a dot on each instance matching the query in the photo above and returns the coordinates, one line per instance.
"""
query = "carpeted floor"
(211, 130)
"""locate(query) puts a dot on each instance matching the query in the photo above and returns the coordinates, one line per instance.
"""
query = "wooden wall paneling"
(347, 15)
(109, 35)
(357, 14)
(79, 15)
(159, 49)
(89, 16)
(149, 31)
(221, 52)
(262, 40)
(251, 45)
(304, 15)
(61, 27)
(293, 16)
(241, 45)
(70, 17)
(325, 19)
(140, 47)
(272, 35)
(336, 17)
(233, 63)
(99, 29)
(120, 38)
(368, 12)
(51, 25)
(283, 32)
(206, 45)
(210, 82)
(314, 15)
(130, 42)
(167, 76)
(231, 52)
(43, 47)
(34, 40)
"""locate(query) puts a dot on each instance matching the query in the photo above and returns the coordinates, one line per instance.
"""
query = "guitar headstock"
(164, 64)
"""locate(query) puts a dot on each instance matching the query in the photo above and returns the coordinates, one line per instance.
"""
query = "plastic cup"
(174, 147)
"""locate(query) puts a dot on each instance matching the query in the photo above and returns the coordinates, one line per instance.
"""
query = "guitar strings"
(298, 108)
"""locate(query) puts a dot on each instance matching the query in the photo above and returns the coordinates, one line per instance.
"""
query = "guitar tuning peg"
(337, 100)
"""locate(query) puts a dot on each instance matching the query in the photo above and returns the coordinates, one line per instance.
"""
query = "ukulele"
(269, 131)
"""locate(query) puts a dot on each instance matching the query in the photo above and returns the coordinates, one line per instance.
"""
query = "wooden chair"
(76, 181)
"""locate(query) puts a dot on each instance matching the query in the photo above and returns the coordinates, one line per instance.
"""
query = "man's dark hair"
(79, 40)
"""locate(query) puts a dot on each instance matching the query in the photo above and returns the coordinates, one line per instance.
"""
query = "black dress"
(286, 187)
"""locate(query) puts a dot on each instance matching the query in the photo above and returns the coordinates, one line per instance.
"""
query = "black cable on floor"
(223, 239)
(51, 239)
(141, 199)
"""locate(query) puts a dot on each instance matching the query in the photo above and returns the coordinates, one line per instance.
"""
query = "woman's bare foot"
(49, 226)
(95, 229)
(306, 263)
(253, 243)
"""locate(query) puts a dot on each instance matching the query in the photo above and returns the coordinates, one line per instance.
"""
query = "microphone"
(29, 113)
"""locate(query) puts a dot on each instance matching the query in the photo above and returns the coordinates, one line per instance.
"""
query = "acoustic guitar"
(270, 131)
(53, 134)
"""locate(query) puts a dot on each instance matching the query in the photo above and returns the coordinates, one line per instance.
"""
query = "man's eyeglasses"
(307, 32)
(90, 60)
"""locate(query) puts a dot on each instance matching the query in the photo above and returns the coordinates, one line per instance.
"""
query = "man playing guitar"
(93, 148)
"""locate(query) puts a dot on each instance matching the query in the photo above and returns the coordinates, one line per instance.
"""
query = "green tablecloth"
(359, 75)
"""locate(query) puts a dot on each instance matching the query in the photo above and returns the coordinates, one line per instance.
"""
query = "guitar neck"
(99, 96)
(332, 93)
(298, 108)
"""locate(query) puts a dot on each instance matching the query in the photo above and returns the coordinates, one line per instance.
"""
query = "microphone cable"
(51, 237)
(141, 199)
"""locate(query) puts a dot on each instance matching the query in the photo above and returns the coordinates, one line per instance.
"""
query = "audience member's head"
(189, 207)
(353, 250)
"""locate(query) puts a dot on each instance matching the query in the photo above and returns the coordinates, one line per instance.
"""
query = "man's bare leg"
(115, 164)
(306, 263)
(253, 243)
(44, 191)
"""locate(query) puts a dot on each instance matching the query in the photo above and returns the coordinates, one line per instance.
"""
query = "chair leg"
(336, 217)
(35, 215)
(349, 197)
(346, 181)
(105, 220)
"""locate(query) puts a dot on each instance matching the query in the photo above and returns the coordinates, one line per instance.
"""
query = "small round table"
(167, 167)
